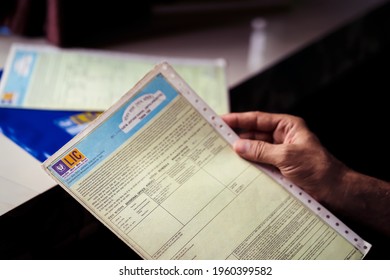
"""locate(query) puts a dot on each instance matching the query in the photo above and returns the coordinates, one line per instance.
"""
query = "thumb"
(256, 150)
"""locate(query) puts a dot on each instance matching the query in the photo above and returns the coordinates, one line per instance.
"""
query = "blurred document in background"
(45, 77)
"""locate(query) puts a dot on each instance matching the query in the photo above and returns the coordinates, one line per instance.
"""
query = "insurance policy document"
(158, 169)
(46, 77)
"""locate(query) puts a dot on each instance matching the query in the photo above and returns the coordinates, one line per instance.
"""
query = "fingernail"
(241, 146)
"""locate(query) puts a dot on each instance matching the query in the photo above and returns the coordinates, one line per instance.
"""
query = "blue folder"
(42, 132)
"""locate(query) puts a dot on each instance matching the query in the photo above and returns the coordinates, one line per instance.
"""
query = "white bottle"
(257, 44)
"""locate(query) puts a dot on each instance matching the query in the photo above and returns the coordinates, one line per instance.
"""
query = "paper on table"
(21, 176)
(158, 169)
(45, 77)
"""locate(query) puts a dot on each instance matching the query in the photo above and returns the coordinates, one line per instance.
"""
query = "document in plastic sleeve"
(158, 169)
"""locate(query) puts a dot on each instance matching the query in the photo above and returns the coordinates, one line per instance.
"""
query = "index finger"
(254, 121)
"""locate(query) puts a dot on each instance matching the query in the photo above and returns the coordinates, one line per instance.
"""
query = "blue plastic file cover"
(42, 132)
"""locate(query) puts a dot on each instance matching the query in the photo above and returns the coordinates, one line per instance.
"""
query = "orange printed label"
(73, 158)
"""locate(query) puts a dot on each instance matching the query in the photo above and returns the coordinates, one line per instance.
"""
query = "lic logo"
(71, 161)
